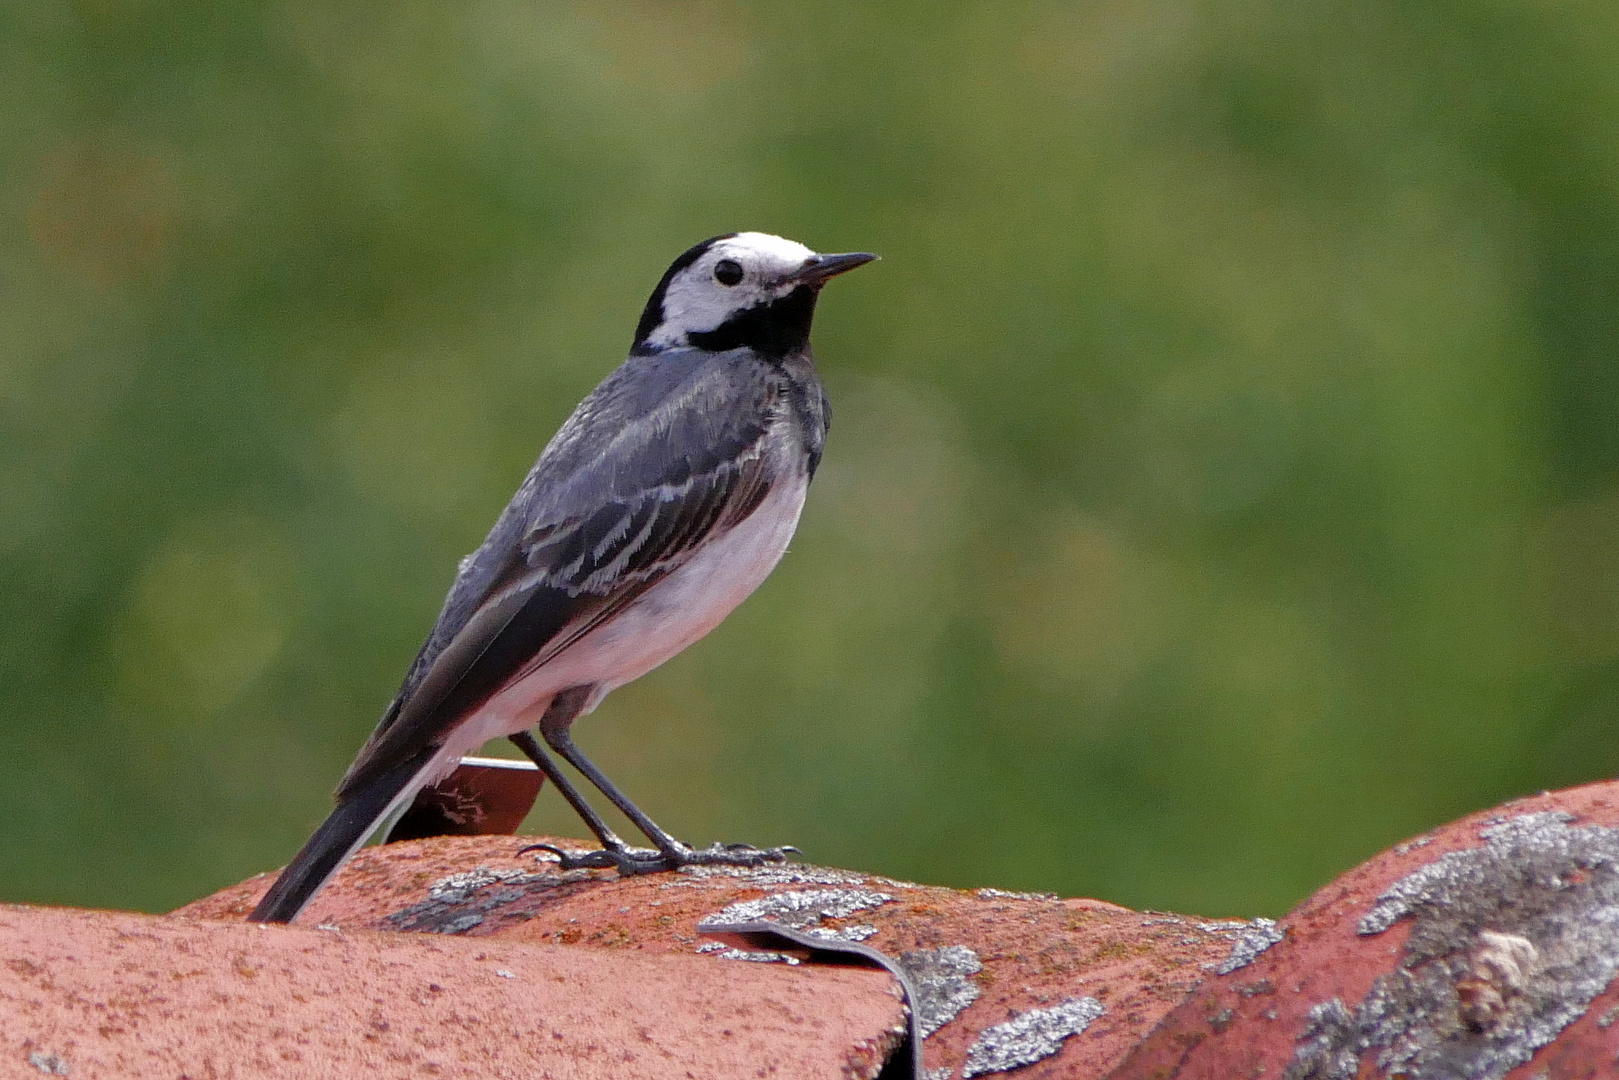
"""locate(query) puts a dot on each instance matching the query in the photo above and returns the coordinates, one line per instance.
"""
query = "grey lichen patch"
(797, 908)
(459, 902)
(1411, 845)
(893, 883)
(460, 924)
(766, 876)
(857, 932)
(1249, 939)
(758, 957)
(1002, 894)
(1327, 1047)
(457, 887)
(1254, 989)
(943, 982)
(1029, 1036)
(49, 1064)
(1532, 837)
(1509, 944)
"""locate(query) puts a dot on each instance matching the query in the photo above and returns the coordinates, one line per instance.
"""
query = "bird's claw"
(627, 861)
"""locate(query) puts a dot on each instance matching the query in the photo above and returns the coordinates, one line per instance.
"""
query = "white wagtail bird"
(664, 500)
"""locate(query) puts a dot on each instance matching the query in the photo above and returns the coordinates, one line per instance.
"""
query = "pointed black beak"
(817, 268)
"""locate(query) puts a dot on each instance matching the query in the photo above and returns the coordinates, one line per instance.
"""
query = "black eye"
(727, 272)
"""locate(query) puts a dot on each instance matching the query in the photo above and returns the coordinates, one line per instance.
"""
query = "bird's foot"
(630, 861)
(627, 861)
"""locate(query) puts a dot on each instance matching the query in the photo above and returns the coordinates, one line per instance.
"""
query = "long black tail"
(336, 839)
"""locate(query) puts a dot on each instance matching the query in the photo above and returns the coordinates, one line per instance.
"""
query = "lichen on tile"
(943, 981)
(797, 908)
(1509, 944)
(1029, 1037)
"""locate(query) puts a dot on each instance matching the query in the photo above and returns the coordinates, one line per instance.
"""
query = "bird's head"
(740, 290)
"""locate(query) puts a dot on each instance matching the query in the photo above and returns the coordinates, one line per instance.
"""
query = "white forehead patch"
(763, 249)
(694, 302)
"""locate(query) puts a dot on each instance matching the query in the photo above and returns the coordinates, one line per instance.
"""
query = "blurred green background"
(1225, 475)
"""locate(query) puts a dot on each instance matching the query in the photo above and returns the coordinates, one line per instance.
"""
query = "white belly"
(664, 620)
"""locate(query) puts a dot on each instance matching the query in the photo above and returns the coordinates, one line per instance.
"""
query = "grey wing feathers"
(666, 450)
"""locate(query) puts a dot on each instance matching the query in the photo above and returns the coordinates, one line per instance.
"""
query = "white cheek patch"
(694, 302)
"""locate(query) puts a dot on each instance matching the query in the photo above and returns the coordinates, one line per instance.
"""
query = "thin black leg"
(671, 854)
(614, 853)
(609, 839)
(559, 739)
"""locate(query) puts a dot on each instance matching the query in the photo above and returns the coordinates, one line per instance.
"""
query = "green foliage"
(1225, 475)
